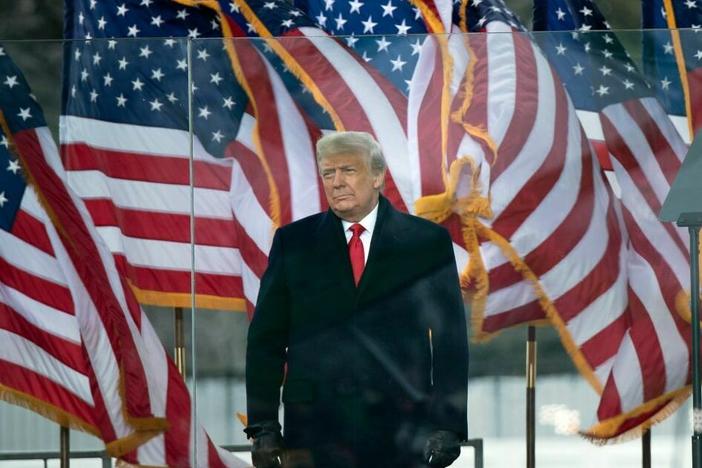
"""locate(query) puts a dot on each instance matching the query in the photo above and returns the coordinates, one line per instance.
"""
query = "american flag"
(77, 347)
(662, 64)
(126, 146)
(550, 245)
(649, 371)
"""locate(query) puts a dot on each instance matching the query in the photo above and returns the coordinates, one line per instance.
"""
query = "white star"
(76, 54)
(340, 22)
(84, 75)
(269, 5)
(668, 48)
(96, 58)
(382, 44)
(607, 54)
(122, 10)
(365, 56)
(369, 25)
(133, 30)
(193, 33)
(560, 49)
(602, 90)
(402, 28)
(398, 63)
(233, 7)
(698, 55)
(121, 100)
(691, 4)
(215, 78)
(585, 27)
(3, 199)
(93, 96)
(137, 84)
(228, 103)
(123, 63)
(288, 23)
(107, 80)
(14, 166)
(4, 142)
(416, 47)
(11, 81)
(561, 14)
(628, 84)
(111, 44)
(351, 40)
(182, 14)
(665, 83)
(155, 105)
(355, 6)
(170, 42)
(586, 11)
(605, 71)
(92, 4)
(81, 18)
(328, 5)
(321, 19)
(157, 74)
(101, 22)
(482, 21)
(388, 9)
(171, 97)
(73, 91)
(145, 51)
(146, 3)
(295, 13)
(204, 112)
(695, 28)
(182, 64)
(587, 47)
(202, 54)
(157, 21)
(217, 136)
(608, 39)
(214, 24)
(578, 69)
(24, 114)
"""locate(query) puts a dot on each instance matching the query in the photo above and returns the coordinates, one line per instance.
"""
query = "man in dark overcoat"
(360, 319)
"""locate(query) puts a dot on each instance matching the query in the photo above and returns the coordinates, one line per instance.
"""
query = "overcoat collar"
(380, 269)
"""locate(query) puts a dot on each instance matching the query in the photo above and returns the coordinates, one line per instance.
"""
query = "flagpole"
(694, 306)
(179, 341)
(646, 449)
(64, 447)
(531, 397)
(693, 221)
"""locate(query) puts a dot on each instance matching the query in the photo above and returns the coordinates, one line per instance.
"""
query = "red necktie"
(358, 259)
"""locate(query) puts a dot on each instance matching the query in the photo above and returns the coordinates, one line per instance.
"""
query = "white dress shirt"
(368, 224)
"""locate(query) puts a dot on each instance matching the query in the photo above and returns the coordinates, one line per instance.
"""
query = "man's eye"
(327, 175)
(350, 170)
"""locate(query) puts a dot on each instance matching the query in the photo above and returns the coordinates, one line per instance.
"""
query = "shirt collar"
(368, 222)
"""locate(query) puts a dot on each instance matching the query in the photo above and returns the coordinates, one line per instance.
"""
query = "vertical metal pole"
(694, 306)
(64, 447)
(179, 341)
(646, 449)
(531, 398)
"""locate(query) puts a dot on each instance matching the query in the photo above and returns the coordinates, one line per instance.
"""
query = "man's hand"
(267, 450)
(441, 448)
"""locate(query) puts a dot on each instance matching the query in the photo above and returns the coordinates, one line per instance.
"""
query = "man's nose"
(338, 180)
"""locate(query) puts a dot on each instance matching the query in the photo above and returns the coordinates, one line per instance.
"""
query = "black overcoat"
(371, 370)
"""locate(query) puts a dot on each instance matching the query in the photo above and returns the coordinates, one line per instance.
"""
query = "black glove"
(441, 448)
(267, 450)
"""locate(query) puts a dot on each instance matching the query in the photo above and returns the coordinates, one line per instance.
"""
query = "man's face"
(350, 186)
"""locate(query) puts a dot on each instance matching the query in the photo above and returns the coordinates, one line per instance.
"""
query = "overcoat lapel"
(332, 252)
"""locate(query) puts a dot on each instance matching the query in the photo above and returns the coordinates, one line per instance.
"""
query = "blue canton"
(129, 65)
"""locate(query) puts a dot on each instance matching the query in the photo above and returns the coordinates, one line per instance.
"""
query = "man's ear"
(379, 180)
